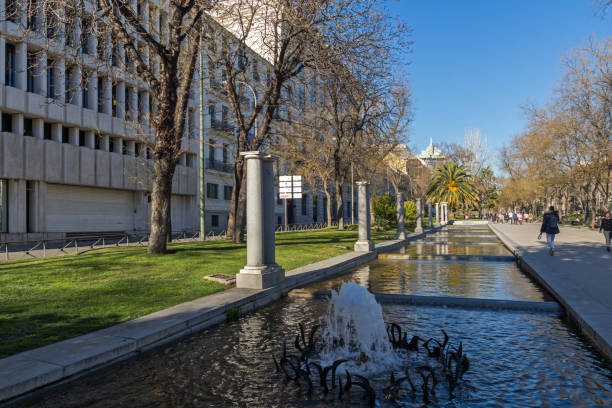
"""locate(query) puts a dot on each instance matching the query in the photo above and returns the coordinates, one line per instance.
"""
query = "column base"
(400, 235)
(418, 230)
(364, 246)
(260, 277)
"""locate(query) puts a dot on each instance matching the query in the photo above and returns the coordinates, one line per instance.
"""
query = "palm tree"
(453, 183)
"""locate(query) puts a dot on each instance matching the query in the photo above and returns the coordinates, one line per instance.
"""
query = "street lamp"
(202, 183)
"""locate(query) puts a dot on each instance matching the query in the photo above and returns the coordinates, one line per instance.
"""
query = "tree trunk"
(236, 217)
(163, 170)
(328, 208)
(339, 206)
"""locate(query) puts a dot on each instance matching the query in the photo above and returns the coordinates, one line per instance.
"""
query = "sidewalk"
(579, 275)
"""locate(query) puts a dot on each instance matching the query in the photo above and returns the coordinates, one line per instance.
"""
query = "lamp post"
(202, 161)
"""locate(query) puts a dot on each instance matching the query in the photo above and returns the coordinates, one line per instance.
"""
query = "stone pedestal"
(364, 243)
(401, 233)
(419, 217)
(430, 224)
(261, 270)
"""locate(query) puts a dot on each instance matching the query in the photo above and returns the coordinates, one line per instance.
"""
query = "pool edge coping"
(33, 370)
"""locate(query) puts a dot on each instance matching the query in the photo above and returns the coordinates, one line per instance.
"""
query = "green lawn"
(46, 300)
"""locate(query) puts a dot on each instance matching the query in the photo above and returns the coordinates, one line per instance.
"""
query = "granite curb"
(33, 369)
(583, 321)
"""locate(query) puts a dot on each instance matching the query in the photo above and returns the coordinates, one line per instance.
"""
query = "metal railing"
(212, 164)
(10, 250)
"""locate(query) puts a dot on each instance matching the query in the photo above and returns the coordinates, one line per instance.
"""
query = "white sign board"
(290, 187)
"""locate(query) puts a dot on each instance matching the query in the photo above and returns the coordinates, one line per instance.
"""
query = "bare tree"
(114, 39)
(292, 38)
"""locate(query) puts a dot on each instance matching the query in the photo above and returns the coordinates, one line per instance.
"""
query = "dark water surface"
(517, 360)
(485, 280)
(421, 248)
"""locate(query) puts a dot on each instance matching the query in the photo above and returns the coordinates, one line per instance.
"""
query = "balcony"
(219, 166)
(220, 126)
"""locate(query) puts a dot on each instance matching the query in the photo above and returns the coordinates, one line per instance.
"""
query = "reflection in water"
(487, 280)
(518, 360)
(443, 248)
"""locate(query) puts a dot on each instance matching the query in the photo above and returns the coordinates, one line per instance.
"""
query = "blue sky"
(474, 63)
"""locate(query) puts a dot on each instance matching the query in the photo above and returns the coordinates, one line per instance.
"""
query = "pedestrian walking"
(606, 227)
(515, 219)
(550, 226)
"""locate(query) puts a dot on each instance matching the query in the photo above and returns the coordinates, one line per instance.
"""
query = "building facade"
(73, 136)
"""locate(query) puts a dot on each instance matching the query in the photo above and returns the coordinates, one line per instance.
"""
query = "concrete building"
(73, 152)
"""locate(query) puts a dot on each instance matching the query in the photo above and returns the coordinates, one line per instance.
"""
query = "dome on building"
(431, 152)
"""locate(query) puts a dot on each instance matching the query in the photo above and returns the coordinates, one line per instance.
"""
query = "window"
(114, 96)
(33, 15)
(212, 190)
(224, 117)
(101, 45)
(128, 103)
(68, 82)
(211, 113)
(47, 133)
(52, 23)
(225, 153)
(12, 11)
(51, 88)
(115, 55)
(31, 72)
(7, 123)
(304, 203)
(255, 71)
(27, 127)
(81, 138)
(192, 124)
(227, 192)
(86, 26)
(65, 135)
(101, 94)
(9, 65)
(85, 92)
(211, 150)
(214, 220)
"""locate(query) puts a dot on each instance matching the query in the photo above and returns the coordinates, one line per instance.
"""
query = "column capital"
(258, 155)
(362, 183)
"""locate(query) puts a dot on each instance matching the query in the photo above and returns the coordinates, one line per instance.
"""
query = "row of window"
(212, 191)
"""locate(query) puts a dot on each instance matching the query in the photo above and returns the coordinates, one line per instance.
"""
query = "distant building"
(432, 157)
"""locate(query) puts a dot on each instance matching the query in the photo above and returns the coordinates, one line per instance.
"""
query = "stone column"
(261, 270)
(364, 243)
(437, 214)
(444, 210)
(430, 224)
(419, 217)
(401, 233)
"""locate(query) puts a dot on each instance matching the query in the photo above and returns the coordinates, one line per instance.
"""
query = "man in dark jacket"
(550, 226)
(606, 227)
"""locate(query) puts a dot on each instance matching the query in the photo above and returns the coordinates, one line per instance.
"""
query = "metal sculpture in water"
(423, 370)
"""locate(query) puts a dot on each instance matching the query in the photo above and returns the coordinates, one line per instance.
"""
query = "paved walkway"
(579, 275)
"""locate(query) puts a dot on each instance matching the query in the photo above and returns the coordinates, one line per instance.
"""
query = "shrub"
(409, 210)
(384, 210)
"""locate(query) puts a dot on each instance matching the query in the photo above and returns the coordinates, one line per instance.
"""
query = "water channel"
(518, 358)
